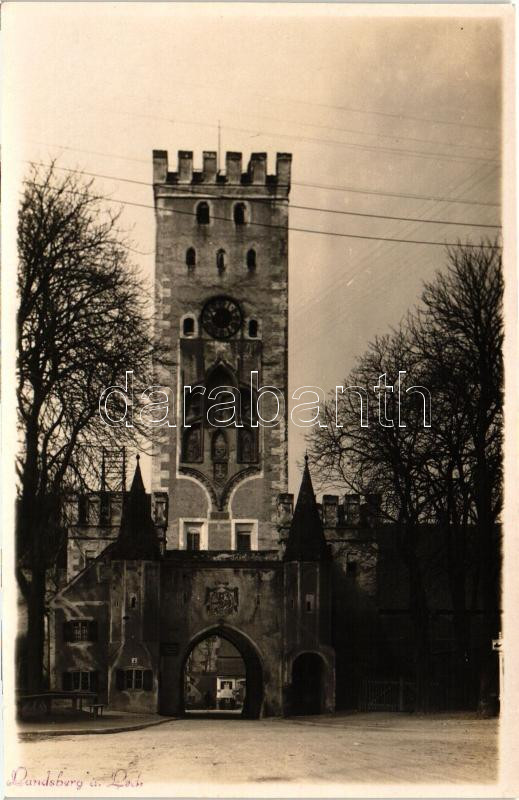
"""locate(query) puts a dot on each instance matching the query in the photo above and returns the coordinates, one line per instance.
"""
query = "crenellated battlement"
(351, 511)
(256, 173)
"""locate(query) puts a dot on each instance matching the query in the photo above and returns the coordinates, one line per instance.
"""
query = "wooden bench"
(44, 700)
(96, 709)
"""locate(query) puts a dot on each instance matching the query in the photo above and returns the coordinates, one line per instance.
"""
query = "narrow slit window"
(253, 328)
(191, 257)
(220, 261)
(251, 260)
(239, 214)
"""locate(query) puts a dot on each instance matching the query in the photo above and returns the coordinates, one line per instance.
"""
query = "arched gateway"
(253, 680)
(153, 608)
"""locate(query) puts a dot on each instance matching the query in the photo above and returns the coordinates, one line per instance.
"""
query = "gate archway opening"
(221, 676)
(307, 684)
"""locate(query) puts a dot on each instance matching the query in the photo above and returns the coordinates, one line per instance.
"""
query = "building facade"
(208, 553)
(315, 598)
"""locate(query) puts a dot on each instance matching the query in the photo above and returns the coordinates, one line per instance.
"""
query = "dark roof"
(306, 541)
(137, 535)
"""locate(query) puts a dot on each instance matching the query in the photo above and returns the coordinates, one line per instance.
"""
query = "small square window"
(193, 540)
(351, 569)
(243, 542)
(244, 532)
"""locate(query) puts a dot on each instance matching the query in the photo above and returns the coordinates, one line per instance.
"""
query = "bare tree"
(84, 318)
(384, 453)
(449, 475)
(459, 333)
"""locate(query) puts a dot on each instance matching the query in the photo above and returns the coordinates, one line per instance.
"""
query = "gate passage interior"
(222, 676)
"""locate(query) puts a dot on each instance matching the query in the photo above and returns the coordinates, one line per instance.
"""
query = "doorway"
(307, 684)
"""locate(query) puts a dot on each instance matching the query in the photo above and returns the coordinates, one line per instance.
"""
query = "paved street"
(357, 748)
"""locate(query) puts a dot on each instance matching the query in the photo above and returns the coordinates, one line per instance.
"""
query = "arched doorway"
(307, 684)
(221, 674)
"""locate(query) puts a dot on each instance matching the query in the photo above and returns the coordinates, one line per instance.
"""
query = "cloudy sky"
(393, 116)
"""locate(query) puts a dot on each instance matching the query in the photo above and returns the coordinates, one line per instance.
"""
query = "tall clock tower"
(222, 302)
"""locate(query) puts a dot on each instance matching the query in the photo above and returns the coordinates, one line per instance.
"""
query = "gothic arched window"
(247, 436)
(191, 444)
(202, 213)
(251, 260)
(246, 446)
(191, 257)
(219, 378)
(240, 214)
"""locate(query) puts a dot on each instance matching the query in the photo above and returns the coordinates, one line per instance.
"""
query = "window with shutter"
(67, 681)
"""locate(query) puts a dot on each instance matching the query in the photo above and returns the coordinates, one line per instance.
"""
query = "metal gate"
(387, 695)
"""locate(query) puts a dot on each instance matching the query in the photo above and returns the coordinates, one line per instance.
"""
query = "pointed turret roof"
(137, 536)
(306, 541)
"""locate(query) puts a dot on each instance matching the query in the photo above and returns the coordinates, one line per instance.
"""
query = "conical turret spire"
(306, 541)
(137, 535)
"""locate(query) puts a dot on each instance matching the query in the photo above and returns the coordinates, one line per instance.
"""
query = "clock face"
(221, 317)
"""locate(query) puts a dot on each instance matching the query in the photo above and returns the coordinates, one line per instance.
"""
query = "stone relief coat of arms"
(221, 600)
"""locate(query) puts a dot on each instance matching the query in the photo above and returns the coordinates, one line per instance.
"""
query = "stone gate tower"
(222, 299)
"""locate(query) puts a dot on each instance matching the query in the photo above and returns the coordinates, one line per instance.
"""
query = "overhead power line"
(302, 208)
(306, 184)
(348, 109)
(354, 131)
(301, 123)
(399, 151)
(289, 227)
(431, 197)
(374, 286)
